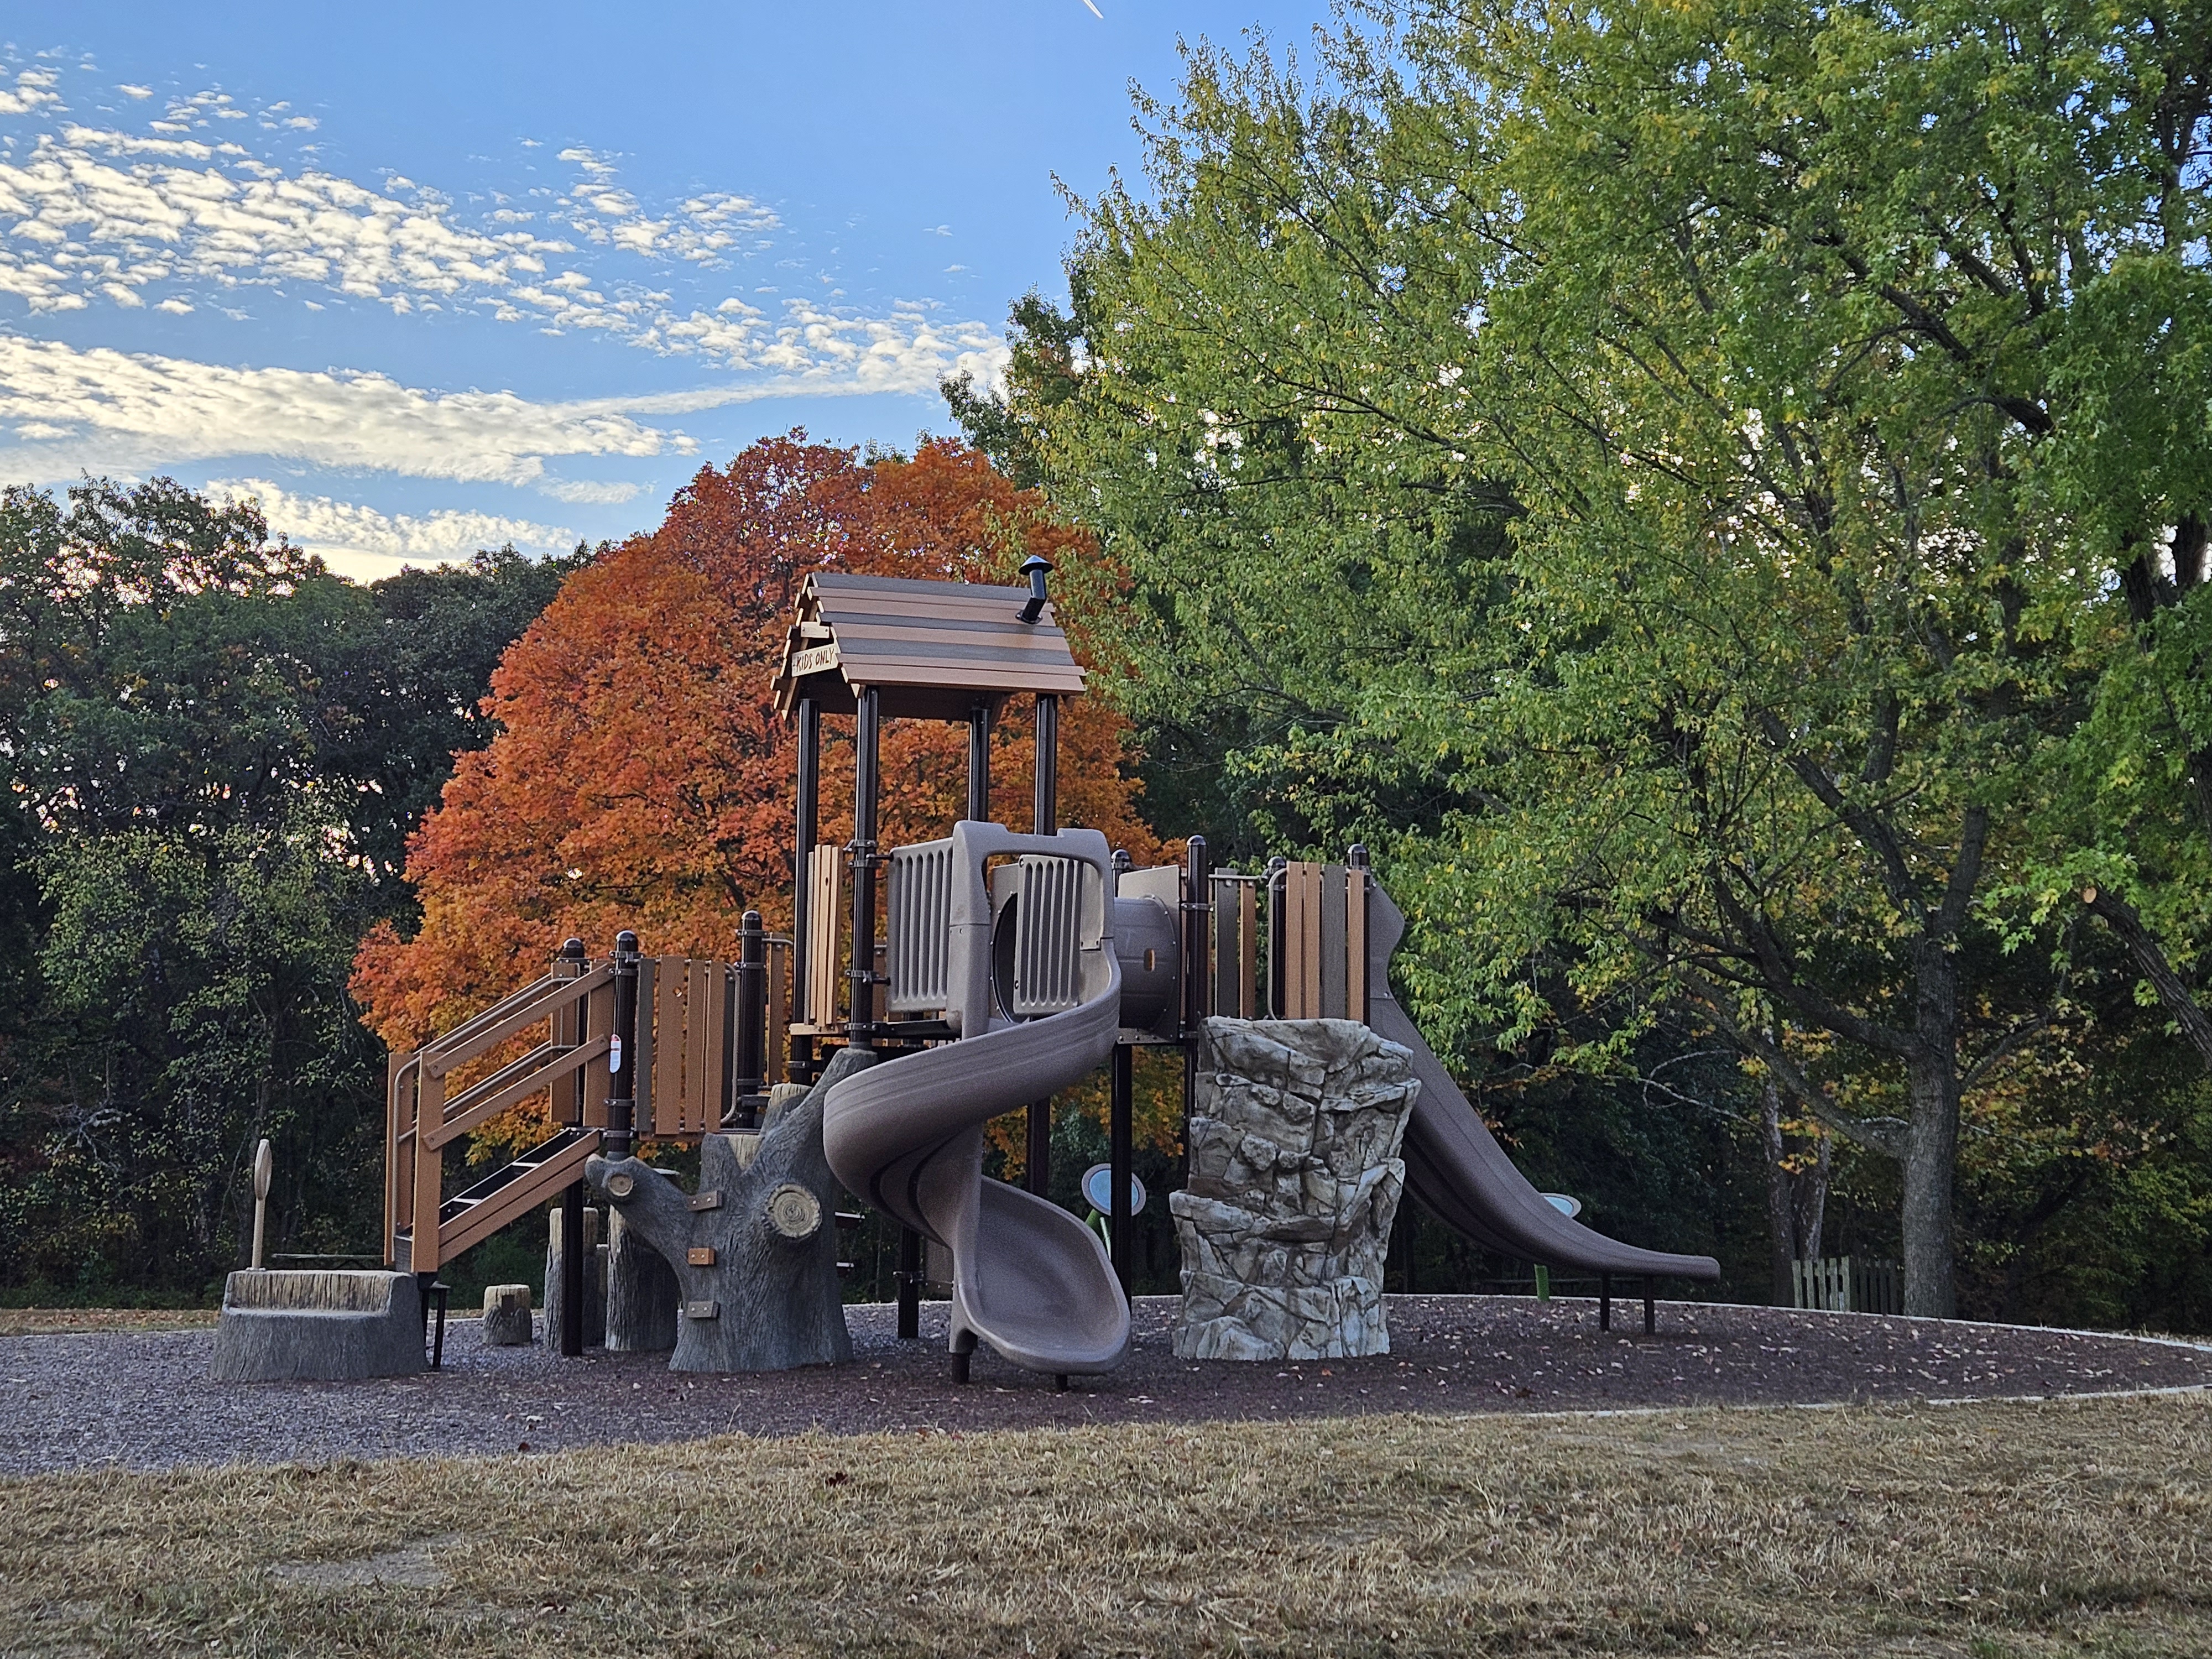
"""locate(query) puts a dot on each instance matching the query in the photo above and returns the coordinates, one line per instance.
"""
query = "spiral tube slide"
(1461, 1175)
(907, 1135)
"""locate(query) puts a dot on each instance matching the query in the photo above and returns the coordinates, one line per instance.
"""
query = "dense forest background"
(1717, 498)
(215, 751)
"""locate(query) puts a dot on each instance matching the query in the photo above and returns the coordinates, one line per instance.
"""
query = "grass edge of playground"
(1989, 1528)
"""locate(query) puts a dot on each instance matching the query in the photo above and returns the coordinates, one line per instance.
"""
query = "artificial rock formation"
(755, 1249)
(1294, 1182)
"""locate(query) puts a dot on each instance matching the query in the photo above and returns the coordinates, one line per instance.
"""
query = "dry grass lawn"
(1983, 1530)
(65, 1321)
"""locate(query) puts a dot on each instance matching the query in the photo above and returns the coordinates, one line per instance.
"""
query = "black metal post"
(1119, 1153)
(909, 1282)
(867, 742)
(979, 763)
(802, 895)
(751, 1045)
(622, 1057)
(1037, 1174)
(1047, 813)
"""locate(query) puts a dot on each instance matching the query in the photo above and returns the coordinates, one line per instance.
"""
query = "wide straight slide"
(1458, 1171)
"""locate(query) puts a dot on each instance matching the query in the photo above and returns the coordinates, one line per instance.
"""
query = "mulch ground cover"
(144, 1401)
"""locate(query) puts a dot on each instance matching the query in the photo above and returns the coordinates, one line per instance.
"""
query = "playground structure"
(998, 968)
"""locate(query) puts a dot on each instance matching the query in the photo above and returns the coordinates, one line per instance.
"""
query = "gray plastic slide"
(1461, 1176)
(907, 1136)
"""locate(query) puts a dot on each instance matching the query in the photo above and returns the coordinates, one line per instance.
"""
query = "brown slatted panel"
(1301, 974)
(430, 1176)
(398, 1172)
(1248, 950)
(599, 1022)
(926, 634)
(779, 1009)
(1331, 954)
(668, 1017)
(701, 1005)
(717, 1055)
(822, 927)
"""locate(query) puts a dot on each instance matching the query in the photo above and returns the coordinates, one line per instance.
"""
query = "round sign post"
(1097, 1189)
(263, 1162)
(1570, 1206)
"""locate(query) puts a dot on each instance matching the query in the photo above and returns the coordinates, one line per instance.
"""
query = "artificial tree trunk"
(755, 1250)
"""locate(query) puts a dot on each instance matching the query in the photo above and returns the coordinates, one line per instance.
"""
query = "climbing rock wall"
(1294, 1182)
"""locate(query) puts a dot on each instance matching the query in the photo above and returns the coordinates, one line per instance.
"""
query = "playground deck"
(142, 1400)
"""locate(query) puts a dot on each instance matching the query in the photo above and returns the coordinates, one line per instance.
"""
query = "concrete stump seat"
(329, 1323)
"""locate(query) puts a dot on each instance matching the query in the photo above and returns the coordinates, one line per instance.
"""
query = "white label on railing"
(614, 1053)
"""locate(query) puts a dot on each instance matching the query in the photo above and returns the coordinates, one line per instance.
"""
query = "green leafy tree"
(1671, 444)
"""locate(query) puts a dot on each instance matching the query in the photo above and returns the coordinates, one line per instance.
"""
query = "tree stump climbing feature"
(753, 1253)
(595, 1282)
(1295, 1179)
(642, 1292)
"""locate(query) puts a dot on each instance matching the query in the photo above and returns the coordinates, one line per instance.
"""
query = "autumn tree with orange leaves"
(640, 777)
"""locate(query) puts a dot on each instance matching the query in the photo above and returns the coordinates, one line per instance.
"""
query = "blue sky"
(424, 277)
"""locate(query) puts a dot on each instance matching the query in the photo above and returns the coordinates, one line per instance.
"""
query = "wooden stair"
(510, 1191)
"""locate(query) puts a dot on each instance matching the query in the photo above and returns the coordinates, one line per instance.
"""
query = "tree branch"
(2120, 916)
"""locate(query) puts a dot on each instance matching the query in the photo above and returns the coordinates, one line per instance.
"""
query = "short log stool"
(506, 1315)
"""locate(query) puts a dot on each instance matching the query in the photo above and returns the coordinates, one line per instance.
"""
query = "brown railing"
(690, 1073)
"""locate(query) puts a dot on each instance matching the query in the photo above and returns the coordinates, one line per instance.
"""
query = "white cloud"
(176, 218)
(351, 535)
(815, 349)
(89, 207)
(586, 493)
(32, 88)
(129, 91)
(105, 410)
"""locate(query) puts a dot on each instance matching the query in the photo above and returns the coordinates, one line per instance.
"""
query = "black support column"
(866, 741)
(1046, 810)
(808, 828)
(1119, 1153)
(622, 1062)
(1045, 821)
(979, 763)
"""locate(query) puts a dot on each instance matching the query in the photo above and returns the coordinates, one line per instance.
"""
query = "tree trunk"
(1813, 1196)
(1931, 1138)
(755, 1250)
(1781, 1221)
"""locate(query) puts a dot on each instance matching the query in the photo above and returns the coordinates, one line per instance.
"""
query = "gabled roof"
(933, 650)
